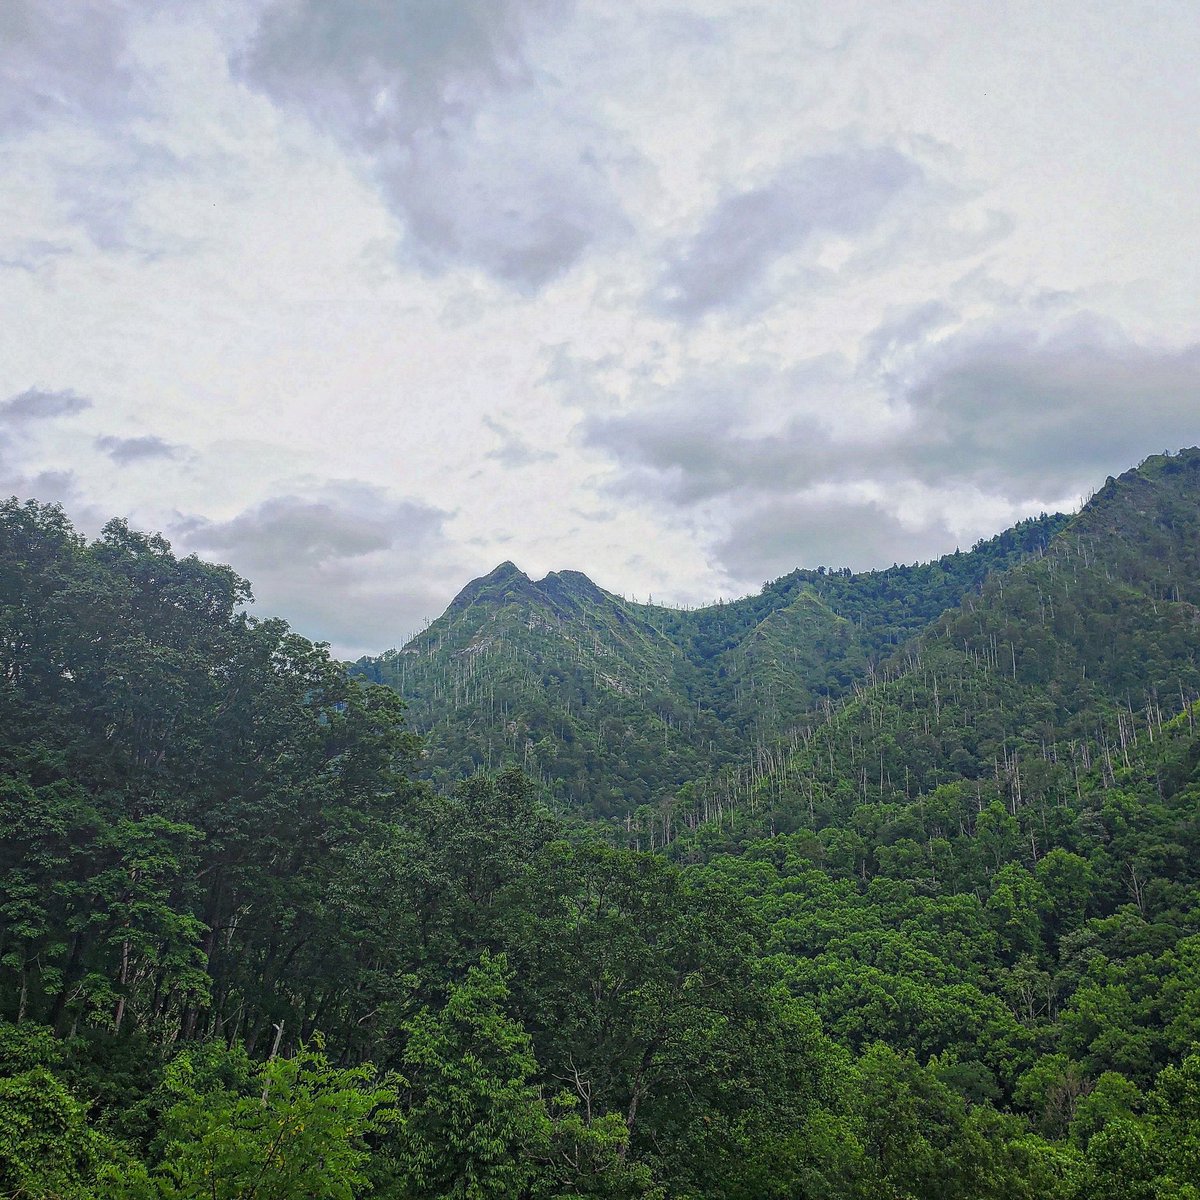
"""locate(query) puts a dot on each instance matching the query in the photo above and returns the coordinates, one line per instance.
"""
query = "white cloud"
(843, 194)
(486, 159)
(667, 292)
(340, 556)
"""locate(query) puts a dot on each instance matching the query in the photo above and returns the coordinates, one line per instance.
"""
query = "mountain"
(614, 705)
(940, 938)
(1077, 656)
(559, 677)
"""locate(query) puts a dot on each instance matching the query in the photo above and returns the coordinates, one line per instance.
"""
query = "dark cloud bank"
(485, 162)
(343, 560)
(1022, 416)
(726, 260)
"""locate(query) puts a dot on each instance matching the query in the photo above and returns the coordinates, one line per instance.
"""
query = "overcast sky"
(366, 296)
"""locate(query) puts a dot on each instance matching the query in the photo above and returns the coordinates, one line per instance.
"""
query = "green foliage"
(176, 781)
(938, 935)
(47, 1150)
(613, 705)
(474, 1125)
(296, 1127)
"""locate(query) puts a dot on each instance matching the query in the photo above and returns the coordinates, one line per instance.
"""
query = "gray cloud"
(124, 451)
(514, 451)
(37, 405)
(1009, 410)
(345, 561)
(727, 259)
(22, 418)
(382, 68)
(487, 162)
(697, 441)
(770, 540)
(349, 521)
(30, 254)
(1016, 411)
(1021, 415)
(63, 60)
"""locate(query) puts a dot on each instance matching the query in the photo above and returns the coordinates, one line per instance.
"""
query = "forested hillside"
(1065, 664)
(612, 705)
(938, 938)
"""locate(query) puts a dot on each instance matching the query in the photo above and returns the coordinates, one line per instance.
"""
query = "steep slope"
(614, 705)
(813, 636)
(1065, 662)
(559, 677)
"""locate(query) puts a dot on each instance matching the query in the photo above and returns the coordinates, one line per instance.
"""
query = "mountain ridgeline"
(1065, 662)
(613, 705)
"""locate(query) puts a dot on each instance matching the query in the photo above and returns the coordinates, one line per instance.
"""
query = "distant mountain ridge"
(564, 590)
(1076, 660)
(614, 704)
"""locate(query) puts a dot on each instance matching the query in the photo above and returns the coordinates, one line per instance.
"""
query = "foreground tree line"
(243, 954)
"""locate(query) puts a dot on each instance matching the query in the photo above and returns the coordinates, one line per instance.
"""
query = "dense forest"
(878, 885)
(555, 676)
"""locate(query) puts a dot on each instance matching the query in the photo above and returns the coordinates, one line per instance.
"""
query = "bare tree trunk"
(270, 1059)
(124, 980)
